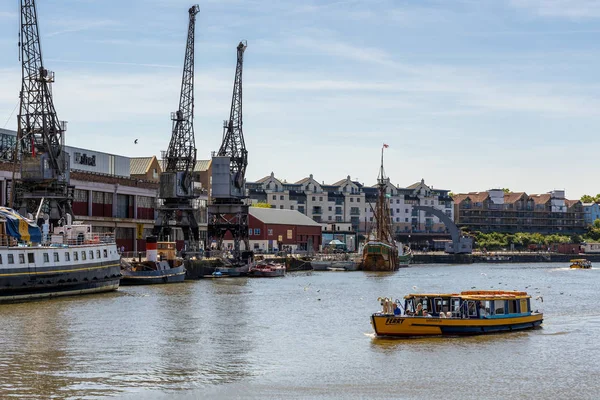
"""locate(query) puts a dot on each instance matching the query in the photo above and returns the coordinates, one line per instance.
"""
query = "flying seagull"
(135, 141)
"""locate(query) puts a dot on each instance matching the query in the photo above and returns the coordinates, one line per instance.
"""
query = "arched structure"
(459, 244)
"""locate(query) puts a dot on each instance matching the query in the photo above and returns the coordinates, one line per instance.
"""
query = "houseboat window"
(91, 254)
(97, 253)
(30, 258)
(21, 258)
(56, 258)
(499, 307)
(105, 253)
(512, 306)
(75, 256)
(83, 255)
(11, 259)
(472, 309)
(46, 257)
(67, 256)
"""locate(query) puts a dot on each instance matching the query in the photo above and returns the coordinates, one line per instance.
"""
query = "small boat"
(160, 266)
(321, 265)
(581, 263)
(267, 270)
(473, 312)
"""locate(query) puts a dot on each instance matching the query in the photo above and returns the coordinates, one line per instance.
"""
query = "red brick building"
(272, 228)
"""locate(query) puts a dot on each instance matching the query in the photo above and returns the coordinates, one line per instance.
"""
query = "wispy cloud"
(8, 14)
(574, 9)
(80, 26)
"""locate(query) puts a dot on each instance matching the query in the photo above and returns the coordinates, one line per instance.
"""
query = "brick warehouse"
(107, 194)
(271, 228)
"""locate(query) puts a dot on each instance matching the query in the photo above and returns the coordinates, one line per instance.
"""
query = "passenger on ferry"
(397, 310)
(419, 312)
(442, 314)
(482, 311)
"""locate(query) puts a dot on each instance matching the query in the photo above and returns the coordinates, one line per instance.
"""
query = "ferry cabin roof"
(482, 304)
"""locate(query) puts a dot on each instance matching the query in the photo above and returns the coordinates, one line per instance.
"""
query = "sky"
(468, 94)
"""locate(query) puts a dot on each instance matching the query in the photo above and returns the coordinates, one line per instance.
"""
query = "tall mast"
(384, 229)
(43, 162)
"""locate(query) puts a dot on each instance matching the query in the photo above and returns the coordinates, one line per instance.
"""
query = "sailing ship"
(380, 252)
(36, 264)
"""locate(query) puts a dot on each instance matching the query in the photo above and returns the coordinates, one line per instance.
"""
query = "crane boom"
(233, 145)
(44, 163)
(181, 154)
(176, 190)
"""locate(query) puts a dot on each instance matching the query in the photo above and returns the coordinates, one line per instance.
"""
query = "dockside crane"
(227, 211)
(176, 190)
(44, 184)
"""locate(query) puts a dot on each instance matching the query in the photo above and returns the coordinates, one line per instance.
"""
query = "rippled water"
(307, 335)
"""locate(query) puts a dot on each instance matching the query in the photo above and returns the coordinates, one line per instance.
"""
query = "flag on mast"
(385, 146)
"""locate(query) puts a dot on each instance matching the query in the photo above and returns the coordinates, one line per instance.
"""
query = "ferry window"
(472, 309)
(499, 307)
(30, 258)
(438, 304)
(11, 259)
(75, 256)
(455, 305)
(512, 306)
(46, 257)
(56, 258)
(83, 255)
(523, 306)
(91, 254)
(97, 253)
(425, 306)
(488, 307)
(409, 306)
(21, 258)
(67, 256)
(105, 253)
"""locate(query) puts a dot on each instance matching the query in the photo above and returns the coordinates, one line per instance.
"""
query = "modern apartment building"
(350, 201)
(497, 211)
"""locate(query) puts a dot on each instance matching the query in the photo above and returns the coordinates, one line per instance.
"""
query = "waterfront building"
(497, 211)
(273, 229)
(350, 201)
(113, 193)
(591, 212)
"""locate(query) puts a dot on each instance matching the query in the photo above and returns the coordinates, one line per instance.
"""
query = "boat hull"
(267, 274)
(408, 326)
(171, 275)
(37, 283)
(321, 265)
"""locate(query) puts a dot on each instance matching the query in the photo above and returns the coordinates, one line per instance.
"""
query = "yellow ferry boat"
(471, 312)
(581, 263)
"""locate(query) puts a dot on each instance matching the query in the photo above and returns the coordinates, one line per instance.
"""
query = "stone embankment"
(499, 257)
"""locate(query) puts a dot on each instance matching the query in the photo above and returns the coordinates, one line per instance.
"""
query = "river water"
(307, 335)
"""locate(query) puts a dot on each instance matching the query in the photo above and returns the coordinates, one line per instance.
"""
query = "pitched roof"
(571, 203)
(262, 180)
(139, 165)
(540, 198)
(202, 165)
(414, 185)
(339, 183)
(477, 197)
(301, 181)
(512, 197)
(277, 216)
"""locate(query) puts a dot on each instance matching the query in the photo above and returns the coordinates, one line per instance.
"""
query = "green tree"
(506, 190)
(586, 198)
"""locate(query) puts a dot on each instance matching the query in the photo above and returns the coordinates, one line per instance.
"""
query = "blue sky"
(469, 94)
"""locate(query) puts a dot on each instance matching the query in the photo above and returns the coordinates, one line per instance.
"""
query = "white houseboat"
(36, 264)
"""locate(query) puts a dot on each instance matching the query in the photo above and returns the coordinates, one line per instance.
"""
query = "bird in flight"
(135, 141)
